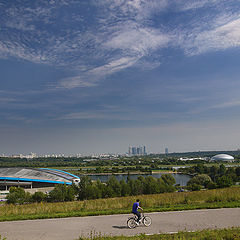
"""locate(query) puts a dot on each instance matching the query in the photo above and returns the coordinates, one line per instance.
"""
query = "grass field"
(223, 234)
(217, 198)
(220, 234)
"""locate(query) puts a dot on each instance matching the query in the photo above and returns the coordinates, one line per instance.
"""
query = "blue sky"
(97, 76)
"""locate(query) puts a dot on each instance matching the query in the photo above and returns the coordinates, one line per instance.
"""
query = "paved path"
(72, 228)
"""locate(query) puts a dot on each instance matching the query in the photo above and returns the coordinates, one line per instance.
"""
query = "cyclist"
(135, 210)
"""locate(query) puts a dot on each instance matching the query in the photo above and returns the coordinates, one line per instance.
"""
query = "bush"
(18, 195)
(39, 197)
(224, 181)
(211, 185)
(194, 187)
(168, 179)
(62, 193)
(201, 179)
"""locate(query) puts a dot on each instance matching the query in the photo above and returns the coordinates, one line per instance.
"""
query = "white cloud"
(228, 104)
(73, 82)
(137, 40)
(220, 38)
(223, 105)
(124, 35)
(196, 4)
(114, 66)
(106, 114)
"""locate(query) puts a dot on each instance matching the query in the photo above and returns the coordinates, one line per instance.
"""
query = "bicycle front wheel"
(131, 223)
(147, 221)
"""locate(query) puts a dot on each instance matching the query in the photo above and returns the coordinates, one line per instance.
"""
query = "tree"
(199, 168)
(237, 171)
(125, 188)
(222, 170)
(201, 179)
(150, 185)
(138, 187)
(83, 187)
(213, 172)
(100, 188)
(168, 179)
(39, 197)
(161, 185)
(62, 193)
(18, 195)
(224, 181)
(114, 184)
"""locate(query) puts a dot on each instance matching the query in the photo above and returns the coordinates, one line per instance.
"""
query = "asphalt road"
(72, 228)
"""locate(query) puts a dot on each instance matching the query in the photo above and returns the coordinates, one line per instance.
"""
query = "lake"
(180, 178)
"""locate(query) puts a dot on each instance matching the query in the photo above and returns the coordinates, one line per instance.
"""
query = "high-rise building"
(166, 151)
(137, 151)
(144, 150)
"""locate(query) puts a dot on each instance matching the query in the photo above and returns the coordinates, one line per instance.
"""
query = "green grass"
(222, 234)
(217, 198)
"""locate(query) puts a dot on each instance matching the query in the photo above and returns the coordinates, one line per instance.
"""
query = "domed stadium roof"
(222, 157)
(35, 177)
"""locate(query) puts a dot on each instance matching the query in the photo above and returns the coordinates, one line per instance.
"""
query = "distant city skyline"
(93, 76)
(137, 150)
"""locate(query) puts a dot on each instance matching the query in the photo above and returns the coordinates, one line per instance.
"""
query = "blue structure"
(35, 178)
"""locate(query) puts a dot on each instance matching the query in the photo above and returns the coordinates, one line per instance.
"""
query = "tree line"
(216, 176)
(88, 189)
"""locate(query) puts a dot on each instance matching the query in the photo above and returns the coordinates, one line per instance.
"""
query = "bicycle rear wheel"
(131, 222)
(147, 221)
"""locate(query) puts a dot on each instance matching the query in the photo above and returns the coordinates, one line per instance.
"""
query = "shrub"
(18, 195)
(201, 179)
(168, 179)
(194, 187)
(39, 197)
(224, 181)
(62, 193)
(211, 185)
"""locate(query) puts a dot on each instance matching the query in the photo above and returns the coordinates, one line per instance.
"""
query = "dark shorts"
(138, 215)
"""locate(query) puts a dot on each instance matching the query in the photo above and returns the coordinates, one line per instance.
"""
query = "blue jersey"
(135, 207)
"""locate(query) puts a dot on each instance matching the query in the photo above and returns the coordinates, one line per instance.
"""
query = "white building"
(223, 157)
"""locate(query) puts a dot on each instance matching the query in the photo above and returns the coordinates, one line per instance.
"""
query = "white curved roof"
(223, 157)
(37, 175)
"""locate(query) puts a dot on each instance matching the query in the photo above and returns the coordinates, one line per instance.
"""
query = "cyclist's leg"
(138, 215)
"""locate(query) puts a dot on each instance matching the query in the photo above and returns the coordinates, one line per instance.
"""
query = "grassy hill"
(217, 198)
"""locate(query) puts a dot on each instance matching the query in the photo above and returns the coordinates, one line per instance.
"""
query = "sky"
(98, 76)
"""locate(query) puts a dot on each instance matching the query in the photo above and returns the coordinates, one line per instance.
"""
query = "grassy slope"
(218, 198)
(222, 234)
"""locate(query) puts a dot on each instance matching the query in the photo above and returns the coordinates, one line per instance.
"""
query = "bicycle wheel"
(131, 222)
(147, 221)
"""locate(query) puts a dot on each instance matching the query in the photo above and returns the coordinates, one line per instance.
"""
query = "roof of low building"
(224, 157)
(37, 175)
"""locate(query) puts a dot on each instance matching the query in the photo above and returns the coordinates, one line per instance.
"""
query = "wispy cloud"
(73, 82)
(96, 115)
(219, 38)
(228, 104)
(136, 40)
(223, 105)
(121, 34)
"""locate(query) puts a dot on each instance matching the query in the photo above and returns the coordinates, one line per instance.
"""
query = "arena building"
(30, 178)
(223, 157)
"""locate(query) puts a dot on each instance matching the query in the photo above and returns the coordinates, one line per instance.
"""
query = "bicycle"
(132, 221)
